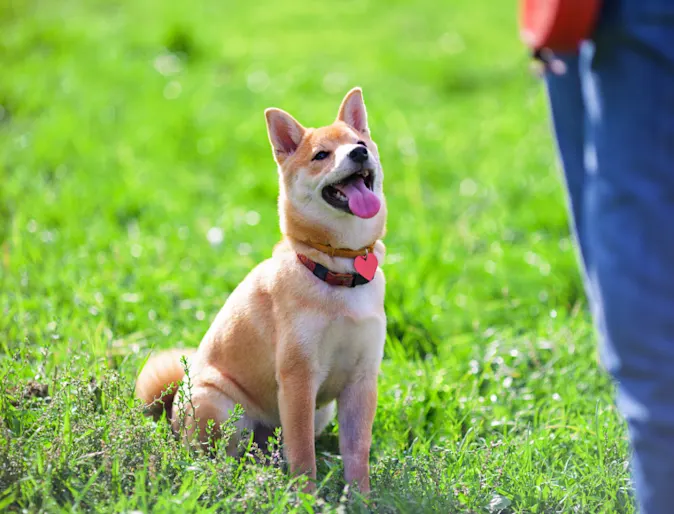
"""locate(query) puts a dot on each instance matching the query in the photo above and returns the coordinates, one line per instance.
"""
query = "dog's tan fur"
(286, 345)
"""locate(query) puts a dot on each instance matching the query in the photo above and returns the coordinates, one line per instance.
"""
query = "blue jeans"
(613, 114)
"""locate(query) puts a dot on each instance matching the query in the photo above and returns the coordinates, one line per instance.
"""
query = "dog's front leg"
(357, 405)
(297, 404)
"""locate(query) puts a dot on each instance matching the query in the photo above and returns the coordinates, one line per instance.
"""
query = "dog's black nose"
(358, 154)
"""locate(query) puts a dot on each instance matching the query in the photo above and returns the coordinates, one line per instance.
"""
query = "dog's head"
(331, 180)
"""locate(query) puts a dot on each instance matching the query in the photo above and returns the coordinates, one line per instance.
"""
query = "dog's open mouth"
(354, 194)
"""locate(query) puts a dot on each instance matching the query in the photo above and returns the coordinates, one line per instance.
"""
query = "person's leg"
(568, 118)
(628, 226)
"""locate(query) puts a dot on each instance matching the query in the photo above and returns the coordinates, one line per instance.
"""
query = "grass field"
(137, 188)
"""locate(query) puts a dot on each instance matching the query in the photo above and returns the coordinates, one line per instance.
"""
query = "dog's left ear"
(352, 111)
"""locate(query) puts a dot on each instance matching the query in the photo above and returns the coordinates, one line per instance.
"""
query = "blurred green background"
(137, 188)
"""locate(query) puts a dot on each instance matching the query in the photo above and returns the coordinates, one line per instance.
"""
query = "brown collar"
(340, 252)
(330, 277)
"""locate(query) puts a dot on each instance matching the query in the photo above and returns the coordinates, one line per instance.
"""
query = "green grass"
(129, 130)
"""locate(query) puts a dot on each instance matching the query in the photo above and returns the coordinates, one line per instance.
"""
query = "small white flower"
(215, 236)
(252, 218)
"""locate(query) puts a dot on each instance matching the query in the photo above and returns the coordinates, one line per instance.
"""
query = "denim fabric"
(613, 115)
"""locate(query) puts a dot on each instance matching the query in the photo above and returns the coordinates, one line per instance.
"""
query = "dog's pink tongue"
(362, 202)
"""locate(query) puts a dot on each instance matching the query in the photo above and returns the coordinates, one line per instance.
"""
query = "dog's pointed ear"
(285, 133)
(352, 111)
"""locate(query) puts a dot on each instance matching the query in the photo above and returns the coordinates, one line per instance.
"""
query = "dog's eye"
(320, 156)
(361, 143)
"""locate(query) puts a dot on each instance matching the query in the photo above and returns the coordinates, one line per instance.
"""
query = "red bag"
(557, 25)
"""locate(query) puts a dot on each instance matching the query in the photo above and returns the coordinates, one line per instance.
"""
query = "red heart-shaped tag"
(366, 266)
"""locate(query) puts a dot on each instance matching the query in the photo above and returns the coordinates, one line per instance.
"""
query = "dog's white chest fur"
(350, 344)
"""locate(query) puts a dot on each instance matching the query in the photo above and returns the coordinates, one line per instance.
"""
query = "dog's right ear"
(285, 133)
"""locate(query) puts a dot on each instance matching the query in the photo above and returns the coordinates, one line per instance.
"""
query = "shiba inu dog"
(305, 329)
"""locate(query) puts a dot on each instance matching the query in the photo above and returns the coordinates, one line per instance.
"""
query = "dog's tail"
(158, 381)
